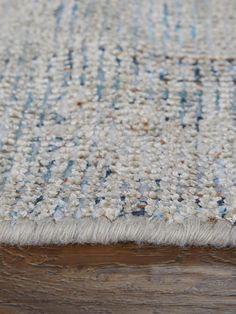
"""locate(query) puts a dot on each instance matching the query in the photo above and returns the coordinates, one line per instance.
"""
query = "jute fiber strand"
(118, 121)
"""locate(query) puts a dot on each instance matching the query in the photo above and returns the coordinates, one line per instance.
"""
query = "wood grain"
(124, 278)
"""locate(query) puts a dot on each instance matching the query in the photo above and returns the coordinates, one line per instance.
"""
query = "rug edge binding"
(103, 231)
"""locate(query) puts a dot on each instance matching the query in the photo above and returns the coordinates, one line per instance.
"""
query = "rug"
(118, 121)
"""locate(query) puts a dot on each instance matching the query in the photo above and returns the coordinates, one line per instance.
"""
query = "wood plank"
(124, 278)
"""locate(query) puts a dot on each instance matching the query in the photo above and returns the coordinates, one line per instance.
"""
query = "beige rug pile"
(118, 121)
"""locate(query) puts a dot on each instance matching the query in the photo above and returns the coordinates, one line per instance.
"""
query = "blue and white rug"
(118, 121)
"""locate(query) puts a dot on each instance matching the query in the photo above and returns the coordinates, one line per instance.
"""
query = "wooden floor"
(117, 279)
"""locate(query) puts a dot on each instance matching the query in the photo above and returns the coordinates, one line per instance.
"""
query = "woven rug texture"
(118, 121)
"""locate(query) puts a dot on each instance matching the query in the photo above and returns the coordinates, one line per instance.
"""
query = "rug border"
(133, 229)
